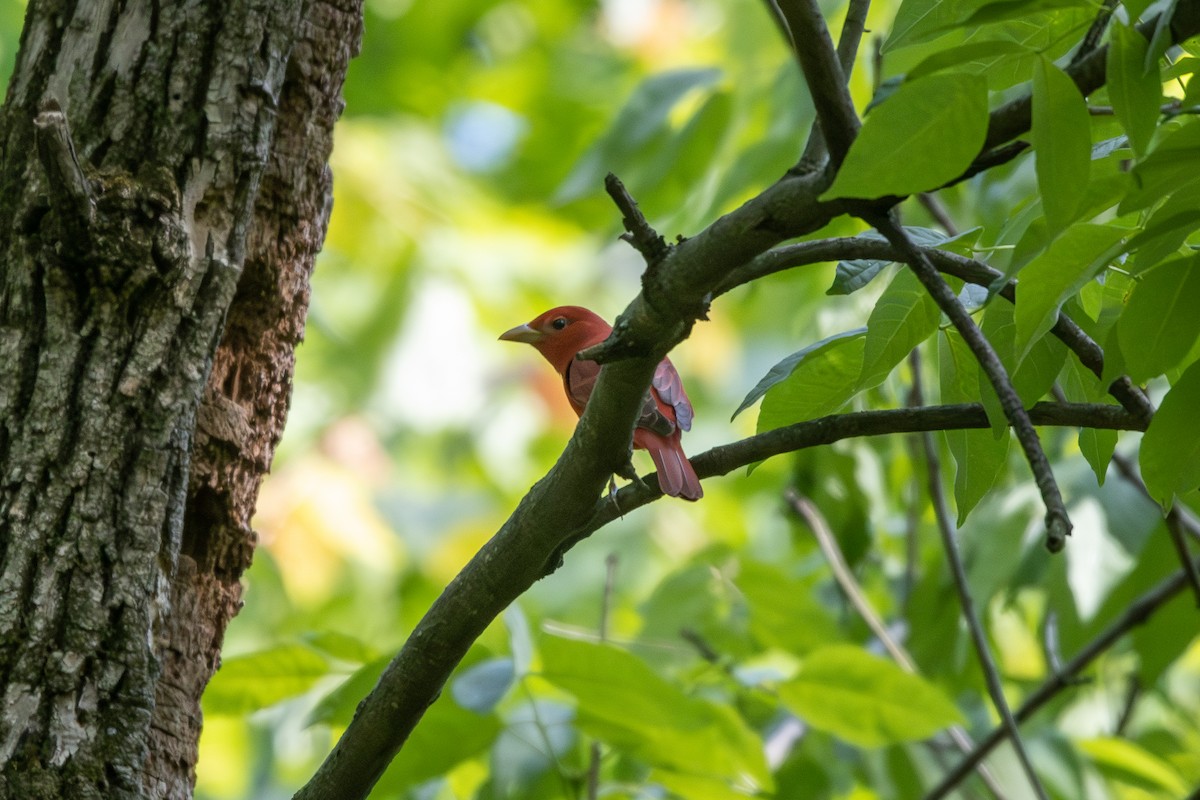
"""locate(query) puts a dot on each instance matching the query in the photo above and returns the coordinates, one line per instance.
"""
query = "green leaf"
(866, 700)
(851, 276)
(1170, 452)
(919, 20)
(1166, 230)
(447, 736)
(966, 54)
(1058, 273)
(1130, 762)
(1161, 323)
(1172, 164)
(926, 134)
(1032, 376)
(820, 384)
(643, 116)
(1015, 10)
(1096, 445)
(254, 681)
(1135, 91)
(1062, 141)
(337, 707)
(904, 316)
(781, 613)
(624, 703)
(787, 366)
(979, 457)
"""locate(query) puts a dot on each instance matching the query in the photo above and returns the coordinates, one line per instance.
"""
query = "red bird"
(562, 332)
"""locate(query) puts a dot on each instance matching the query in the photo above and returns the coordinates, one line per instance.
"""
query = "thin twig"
(594, 751)
(938, 211)
(1058, 523)
(941, 512)
(638, 231)
(844, 576)
(842, 573)
(1178, 523)
(1135, 614)
(1133, 692)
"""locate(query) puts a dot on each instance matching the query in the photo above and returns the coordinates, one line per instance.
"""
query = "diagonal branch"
(847, 50)
(824, 75)
(941, 512)
(1058, 523)
(845, 579)
(856, 247)
(655, 321)
(826, 430)
(1135, 614)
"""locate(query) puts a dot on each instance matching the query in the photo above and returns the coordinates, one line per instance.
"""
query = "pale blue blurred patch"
(482, 136)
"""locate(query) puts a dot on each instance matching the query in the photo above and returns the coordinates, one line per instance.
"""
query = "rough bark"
(197, 145)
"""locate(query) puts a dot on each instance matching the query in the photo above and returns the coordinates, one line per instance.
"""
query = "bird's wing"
(579, 380)
(670, 390)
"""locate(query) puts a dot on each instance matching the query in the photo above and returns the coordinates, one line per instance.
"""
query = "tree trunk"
(178, 197)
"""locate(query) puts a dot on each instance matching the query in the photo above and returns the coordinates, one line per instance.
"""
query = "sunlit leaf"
(624, 703)
(866, 700)
(257, 680)
(446, 736)
(820, 383)
(1047, 281)
(1015, 9)
(1131, 762)
(1172, 164)
(965, 54)
(784, 368)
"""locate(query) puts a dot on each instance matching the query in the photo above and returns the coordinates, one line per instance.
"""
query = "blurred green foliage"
(469, 169)
(468, 198)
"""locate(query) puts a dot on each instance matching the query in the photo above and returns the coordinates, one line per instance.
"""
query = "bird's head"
(560, 333)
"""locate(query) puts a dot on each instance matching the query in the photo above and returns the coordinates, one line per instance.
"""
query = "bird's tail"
(675, 474)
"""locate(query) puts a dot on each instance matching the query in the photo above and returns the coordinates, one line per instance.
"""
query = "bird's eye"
(559, 323)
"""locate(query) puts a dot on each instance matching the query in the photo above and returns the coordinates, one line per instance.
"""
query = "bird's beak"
(521, 333)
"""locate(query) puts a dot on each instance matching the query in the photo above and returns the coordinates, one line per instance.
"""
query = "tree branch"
(724, 459)
(845, 579)
(1135, 614)
(1013, 118)
(655, 321)
(805, 253)
(1177, 523)
(847, 51)
(941, 513)
(1058, 523)
(824, 75)
(638, 231)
